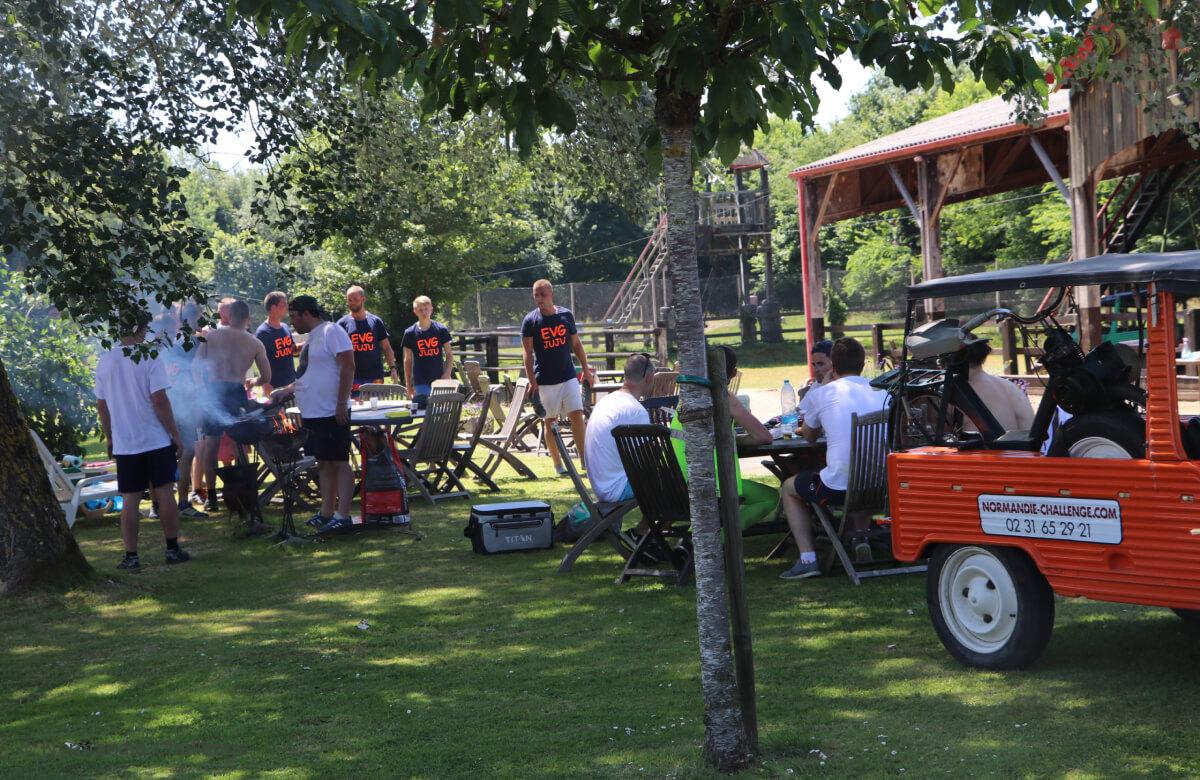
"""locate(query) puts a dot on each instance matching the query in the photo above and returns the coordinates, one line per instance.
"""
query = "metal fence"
(499, 308)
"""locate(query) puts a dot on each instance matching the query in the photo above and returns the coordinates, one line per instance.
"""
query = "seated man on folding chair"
(845, 393)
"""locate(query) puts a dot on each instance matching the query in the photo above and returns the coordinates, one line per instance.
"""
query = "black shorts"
(227, 402)
(151, 469)
(809, 487)
(327, 438)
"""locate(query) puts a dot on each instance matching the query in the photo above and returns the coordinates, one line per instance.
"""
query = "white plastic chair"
(70, 494)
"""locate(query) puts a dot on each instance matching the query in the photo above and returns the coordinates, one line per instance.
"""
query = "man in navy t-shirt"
(427, 355)
(277, 338)
(370, 337)
(549, 337)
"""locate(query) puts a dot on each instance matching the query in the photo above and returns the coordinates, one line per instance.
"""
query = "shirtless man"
(226, 355)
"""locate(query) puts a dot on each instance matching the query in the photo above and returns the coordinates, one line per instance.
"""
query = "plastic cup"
(374, 403)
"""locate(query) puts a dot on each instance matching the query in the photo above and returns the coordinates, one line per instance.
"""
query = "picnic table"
(789, 456)
(386, 413)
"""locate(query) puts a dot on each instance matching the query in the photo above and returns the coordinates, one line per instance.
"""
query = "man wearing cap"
(549, 338)
(139, 425)
(371, 340)
(322, 389)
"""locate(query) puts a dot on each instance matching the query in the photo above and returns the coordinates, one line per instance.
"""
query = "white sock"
(808, 557)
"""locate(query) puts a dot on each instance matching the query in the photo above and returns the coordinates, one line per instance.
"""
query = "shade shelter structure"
(1090, 131)
(975, 151)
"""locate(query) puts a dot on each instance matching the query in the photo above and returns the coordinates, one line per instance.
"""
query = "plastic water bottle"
(1185, 349)
(787, 404)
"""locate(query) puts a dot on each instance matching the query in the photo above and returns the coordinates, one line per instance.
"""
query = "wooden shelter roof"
(978, 150)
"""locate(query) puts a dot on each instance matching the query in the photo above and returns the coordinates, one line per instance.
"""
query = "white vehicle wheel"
(990, 606)
(978, 599)
(1098, 447)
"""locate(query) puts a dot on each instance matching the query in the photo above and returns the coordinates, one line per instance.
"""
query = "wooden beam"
(929, 192)
(944, 189)
(904, 193)
(1048, 164)
(820, 217)
(1006, 160)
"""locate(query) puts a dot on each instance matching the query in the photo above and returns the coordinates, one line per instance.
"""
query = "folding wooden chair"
(866, 496)
(443, 386)
(605, 516)
(661, 493)
(382, 392)
(474, 379)
(429, 462)
(501, 444)
(735, 383)
(664, 384)
(463, 451)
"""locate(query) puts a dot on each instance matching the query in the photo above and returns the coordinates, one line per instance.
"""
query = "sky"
(230, 150)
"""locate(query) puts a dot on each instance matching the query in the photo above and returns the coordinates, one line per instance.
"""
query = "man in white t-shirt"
(322, 389)
(847, 393)
(139, 425)
(621, 407)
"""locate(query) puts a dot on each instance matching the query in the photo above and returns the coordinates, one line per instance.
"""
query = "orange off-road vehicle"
(1103, 505)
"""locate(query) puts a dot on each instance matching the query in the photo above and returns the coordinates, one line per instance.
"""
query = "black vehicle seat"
(1190, 433)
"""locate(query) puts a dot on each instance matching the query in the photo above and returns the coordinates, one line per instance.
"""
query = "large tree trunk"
(36, 547)
(725, 742)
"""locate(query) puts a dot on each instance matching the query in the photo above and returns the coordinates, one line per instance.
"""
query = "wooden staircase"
(650, 269)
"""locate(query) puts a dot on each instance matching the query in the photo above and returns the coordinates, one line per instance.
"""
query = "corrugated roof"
(992, 114)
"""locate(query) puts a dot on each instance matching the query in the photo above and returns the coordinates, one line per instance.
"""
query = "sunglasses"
(650, 367)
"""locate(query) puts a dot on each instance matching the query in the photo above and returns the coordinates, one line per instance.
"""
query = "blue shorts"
(808, 486)
(420, 395)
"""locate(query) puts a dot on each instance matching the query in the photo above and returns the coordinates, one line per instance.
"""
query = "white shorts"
(561, 399)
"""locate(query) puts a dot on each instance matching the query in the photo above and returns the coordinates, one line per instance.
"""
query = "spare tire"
(1115, 434)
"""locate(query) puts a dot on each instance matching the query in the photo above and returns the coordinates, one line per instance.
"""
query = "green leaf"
(445, 14)
(1152, 7)
(545, 16)
(375, 27)
(348, 12)
(470, 12)
(630, 13)
(518, 18)
(555, 110)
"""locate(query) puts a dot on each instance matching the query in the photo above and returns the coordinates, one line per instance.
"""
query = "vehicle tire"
(1189, 616)
(1118, 435)
(914, 419)
(990, 606)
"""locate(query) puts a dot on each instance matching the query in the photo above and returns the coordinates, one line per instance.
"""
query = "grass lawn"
(249, 661)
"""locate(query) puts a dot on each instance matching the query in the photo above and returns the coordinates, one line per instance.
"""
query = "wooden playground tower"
(729, 223)
(1091, 132)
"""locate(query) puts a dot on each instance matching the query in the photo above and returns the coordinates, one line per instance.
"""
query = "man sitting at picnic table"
(427, 355)
(820, 368)
(322, 389)
(756, 501)
(621, 407)
(847, 393)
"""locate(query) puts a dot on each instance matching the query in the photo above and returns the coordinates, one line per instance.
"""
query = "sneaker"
(336, 525)
(130, 564)
(560, 471)
(212, 507)
(192, 512)
(801, 571)
(177, 555)
(316, 521)
(195, 498)
(862, 552)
